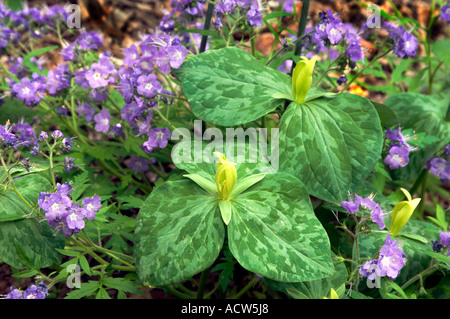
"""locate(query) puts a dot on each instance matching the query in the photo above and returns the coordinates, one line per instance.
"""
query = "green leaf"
(330, 144)
(315, 289)
(274, 232)
(440, 50)
(230, 87)
(397, 74)
(204, 183)
(86, 289)
(121, 284)
(81, 183)
(25, 274)
(386, 114)
(226, 268)
(85, 265)
(102, 294)
(35, 237)
(243, 184)
(225, 210)
(179, 233)
(422, 113)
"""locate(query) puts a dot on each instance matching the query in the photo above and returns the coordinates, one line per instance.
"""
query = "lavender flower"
(342, 79)
(102, 121)
(29, 91)
(58, 79)
(406, 45)
(445, 13)
(391, 259)
(92, 206)
(398, 157)
(14, 294)
(447, 150)
(138, 164)
(33, 292)
(68, 164)
(254, 15)
(439, 167)
(351, 206)
(157, 137)
(6, 135)
(148, 85)
(369, 269)
(87, 111)
(444, 238)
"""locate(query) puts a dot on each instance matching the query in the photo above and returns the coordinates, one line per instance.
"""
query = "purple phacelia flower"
(369, 269)
(444, 238)
(74, 219)
(14, 294)
(377, 217)
(398, 157)
(254, 15)
(102, 121)
(445, 13)
(69, 164)
(92, 205)
(148, 85)
(87, 111)
(138, 164)
(391, 259)
(439, 167)
(157, 137)
(57, 134)
(33, 292)
(351, 206)
(406, 45)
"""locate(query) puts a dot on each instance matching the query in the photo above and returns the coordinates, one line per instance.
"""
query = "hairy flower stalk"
(302, 78)
(226, 176)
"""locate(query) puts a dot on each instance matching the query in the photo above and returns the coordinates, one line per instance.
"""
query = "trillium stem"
(201, 288)
(301, 31)
(206, 26)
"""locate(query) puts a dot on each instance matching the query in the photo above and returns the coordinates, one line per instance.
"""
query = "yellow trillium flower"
(226, 176)
(333, 295)
(402, 212)
(302, 78)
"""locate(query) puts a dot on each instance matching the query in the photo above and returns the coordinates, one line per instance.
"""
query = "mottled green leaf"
(422, 113)
(330, 144)
(273, 232)
(315, 289)
(35, 236)
(230, 87)
(179, 233)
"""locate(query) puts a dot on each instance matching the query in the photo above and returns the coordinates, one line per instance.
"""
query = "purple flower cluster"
(30, 20)
(405, 43)
(439, 167)
(355, 202)
(389, 263)
(65, 215)
(33, 292)
(445, 12)
(86, 41)
(330, 31)
(398, 151)
(30, 90)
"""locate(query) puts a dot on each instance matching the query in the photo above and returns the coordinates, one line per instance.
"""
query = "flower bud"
(226, 176)
(402, 212)
(302, 78)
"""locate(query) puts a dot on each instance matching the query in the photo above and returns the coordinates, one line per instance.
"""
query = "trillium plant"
(202, 162)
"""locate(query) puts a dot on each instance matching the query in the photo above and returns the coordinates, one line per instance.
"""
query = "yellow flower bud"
(402, 212)
(302, 78)
(226, 176)
(333, 294)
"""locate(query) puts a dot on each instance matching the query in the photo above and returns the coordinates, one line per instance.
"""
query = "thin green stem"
(177, 293)
(201, 287)
(233, 28)
(243, 290)
(362, 70)
(420, 275)
(13, 186)
(301, 31)
(209, 13)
